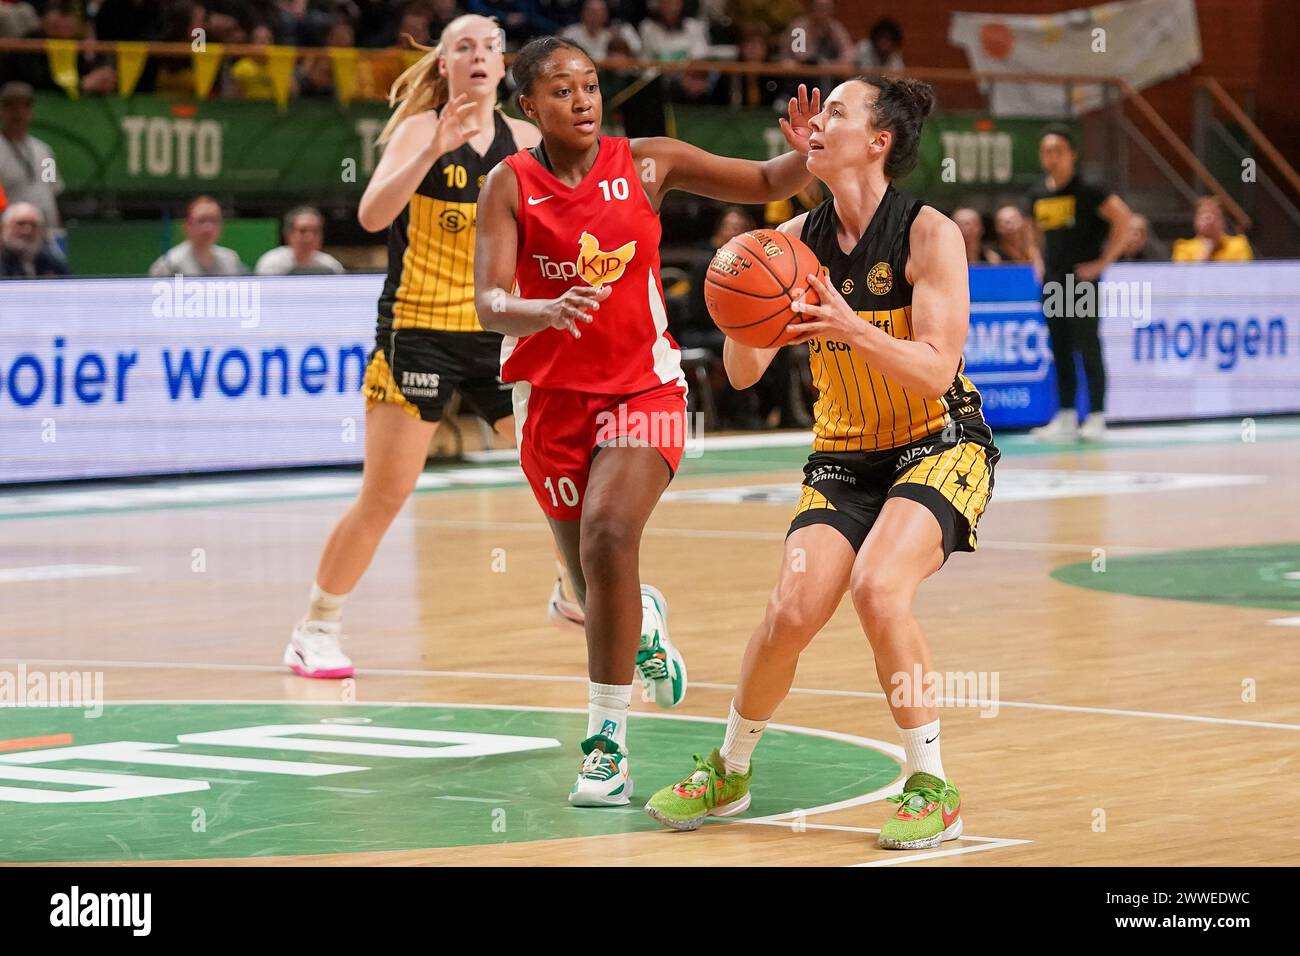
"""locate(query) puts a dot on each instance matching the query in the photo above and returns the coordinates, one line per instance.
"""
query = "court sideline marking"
(569, 679)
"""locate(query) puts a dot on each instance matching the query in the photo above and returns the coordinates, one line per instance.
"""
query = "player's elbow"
(741, 379)
(488, 316)
(369, 220)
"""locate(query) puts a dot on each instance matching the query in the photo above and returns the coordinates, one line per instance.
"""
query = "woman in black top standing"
(1081, 229)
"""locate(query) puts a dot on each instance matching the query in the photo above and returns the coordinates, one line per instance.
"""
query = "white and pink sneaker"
(314, 650)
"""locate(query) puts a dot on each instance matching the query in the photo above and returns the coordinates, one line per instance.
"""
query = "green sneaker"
(929, 812)
(708, 792)
(605, 777)
(658, 663)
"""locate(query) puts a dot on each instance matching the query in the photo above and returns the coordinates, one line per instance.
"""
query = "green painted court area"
(269, 779)
(1266, 576)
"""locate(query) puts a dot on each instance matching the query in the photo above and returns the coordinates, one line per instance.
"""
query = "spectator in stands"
(523, 18)
(23, 253)
(553, 16)
(667, 34)
(971, 224)
(181, 18)
(316, 74)
(250, 74)
(17, 19)
(1014, 234)
(817, 37)
(594, 31)
(1139, 233)
(296, 23)
(60, 21)
(441, 13)
(199, 254)
(27, 166)
(773, 14)
(304, 233)
(1212, 242)
(376, 75)
(882, 49)
(132, 20)
(751, 89)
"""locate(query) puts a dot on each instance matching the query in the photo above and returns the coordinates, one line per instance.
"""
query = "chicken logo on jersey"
(597, 266)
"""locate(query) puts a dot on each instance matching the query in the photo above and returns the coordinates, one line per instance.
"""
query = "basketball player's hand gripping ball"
(825, 315)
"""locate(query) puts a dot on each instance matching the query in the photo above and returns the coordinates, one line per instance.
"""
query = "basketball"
(751, 283)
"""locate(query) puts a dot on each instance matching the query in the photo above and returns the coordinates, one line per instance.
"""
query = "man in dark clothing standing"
(1081, 229)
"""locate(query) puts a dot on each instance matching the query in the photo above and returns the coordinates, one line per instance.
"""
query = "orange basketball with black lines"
(751, 282)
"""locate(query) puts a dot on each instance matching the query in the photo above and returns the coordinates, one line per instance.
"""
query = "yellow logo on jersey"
(880, 279)
(453, 220)
(596, 266)
(1054, 212)
(846, 286)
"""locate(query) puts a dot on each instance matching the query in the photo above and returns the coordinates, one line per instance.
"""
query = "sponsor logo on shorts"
(831, 473)
(912, 454)
(420, 384)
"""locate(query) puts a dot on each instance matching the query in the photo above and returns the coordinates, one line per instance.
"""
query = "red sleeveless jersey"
(601, 232)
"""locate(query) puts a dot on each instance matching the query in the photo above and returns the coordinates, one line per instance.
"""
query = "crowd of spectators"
(791, 32)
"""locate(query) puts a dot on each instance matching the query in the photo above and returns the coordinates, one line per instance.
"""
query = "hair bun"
(920, 93)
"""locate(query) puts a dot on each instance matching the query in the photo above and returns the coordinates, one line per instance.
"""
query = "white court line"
(58, 572)
(570, 679)
(912, 856)
(1286, 621)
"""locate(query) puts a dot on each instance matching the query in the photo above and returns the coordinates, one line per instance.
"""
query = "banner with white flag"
(1142, 41)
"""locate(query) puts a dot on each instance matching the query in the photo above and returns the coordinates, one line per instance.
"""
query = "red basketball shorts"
(562, 431)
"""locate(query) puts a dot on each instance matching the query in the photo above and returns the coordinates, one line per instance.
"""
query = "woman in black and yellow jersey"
(445, 135)
(902, 460)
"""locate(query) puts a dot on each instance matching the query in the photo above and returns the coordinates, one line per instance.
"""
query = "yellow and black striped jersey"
(430, 281)
(859, 408)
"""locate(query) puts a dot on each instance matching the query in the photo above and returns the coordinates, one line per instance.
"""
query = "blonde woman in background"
(446, 133)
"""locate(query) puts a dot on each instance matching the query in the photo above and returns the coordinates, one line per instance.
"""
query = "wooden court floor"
(1130, 728)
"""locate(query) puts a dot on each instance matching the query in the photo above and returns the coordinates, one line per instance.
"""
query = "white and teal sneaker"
(658, 662)
(605, 778)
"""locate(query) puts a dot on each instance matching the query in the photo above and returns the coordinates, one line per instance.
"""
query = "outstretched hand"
(802, 109)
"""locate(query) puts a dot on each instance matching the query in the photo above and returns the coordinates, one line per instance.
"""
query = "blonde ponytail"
(418, 89)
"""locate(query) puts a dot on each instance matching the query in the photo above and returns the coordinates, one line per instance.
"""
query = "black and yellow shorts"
(950, 473)
(419, 369)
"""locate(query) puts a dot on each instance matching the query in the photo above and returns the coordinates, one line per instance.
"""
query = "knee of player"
(383, 500)
(879, 596)
(606, 542)
(789, 625)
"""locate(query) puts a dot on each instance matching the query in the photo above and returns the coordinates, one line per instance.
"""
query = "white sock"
(921, 745)
(607, 707)
(742, 737)
(324, 605)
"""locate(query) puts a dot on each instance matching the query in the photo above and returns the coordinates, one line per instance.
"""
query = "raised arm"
(496, 250)
(416, 145)
(927, 363)
(745, 365)
(666, 164)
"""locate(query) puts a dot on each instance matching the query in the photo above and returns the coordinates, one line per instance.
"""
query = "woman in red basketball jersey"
(572, 227)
